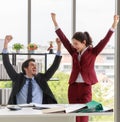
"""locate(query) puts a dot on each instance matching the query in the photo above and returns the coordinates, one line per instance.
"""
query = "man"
(30, 86)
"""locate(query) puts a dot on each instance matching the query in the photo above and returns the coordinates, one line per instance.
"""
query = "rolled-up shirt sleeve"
(4, 51)
(58, 53)
(112, 29)
(56, 28)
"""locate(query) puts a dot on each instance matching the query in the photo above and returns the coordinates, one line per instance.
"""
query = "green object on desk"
(92, 106)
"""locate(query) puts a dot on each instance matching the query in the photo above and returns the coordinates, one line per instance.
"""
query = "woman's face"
(78, 45)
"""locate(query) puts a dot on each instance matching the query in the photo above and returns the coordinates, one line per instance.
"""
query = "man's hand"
(115, 22)
(53, 16)
(58, 42)
(8, 38)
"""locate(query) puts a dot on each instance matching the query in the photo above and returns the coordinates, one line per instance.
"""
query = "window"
(42, 27)
(13, 20)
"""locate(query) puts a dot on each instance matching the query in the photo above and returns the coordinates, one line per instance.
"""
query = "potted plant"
(32, 47)
(17, 47)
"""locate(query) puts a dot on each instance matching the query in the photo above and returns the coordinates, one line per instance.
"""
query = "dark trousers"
(80, 93)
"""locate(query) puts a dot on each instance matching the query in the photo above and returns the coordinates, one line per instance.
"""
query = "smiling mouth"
(34, 70)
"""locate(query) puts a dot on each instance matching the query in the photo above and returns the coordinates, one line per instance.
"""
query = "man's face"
(31, 69)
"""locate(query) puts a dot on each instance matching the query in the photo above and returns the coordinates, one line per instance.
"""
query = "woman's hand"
(53, 16)
(116, 21)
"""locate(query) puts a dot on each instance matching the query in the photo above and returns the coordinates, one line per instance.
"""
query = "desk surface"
(32, 112)
(31, 115)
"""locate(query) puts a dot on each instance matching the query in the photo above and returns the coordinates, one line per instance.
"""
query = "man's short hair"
(26, 64)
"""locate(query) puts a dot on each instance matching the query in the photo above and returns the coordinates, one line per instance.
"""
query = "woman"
(83, 54)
